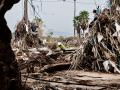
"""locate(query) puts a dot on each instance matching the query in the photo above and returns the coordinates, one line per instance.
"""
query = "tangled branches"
(25, 38)
(101, 45)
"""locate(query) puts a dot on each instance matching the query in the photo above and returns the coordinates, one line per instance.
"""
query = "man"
(61, 46)
(95, 18)
(98, 11)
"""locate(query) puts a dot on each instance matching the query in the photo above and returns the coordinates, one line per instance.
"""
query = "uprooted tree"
(10, 78)
(102, 44)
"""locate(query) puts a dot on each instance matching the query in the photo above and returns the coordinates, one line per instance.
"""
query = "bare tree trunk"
(10, 78)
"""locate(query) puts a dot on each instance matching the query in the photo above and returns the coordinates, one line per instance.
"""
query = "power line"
(34, 9)
(54, 1)
(41, 5)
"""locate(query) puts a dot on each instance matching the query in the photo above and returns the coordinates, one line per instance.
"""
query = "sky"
(57, 15)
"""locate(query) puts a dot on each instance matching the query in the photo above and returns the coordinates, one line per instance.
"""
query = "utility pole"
(74, 15)
(26, 11)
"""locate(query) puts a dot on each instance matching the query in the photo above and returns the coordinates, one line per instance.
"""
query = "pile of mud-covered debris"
(71, 41)
(100, 51)
(32, 54)
(26, 36)
(34, 60)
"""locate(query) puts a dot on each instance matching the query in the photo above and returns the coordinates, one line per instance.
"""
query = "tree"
(84, 20)
(51, 33)
(37, 19)
(61, 38)
(77, 24)
(49, 37)
(10, 78)
(81, 21)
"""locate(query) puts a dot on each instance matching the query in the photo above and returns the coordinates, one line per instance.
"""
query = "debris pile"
(100, 51)
(26, 37)
(39, 59)
(71, 42)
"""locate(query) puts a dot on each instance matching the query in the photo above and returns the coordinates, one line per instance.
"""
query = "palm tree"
(77, 25)
(84, 17)
(81, 21)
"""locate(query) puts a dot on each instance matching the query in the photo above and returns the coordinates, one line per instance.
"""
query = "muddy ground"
(73, 80)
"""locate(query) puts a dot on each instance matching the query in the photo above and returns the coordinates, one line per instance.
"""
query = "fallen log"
(55, 67)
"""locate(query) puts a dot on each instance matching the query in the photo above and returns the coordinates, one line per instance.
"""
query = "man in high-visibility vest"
(61, 46)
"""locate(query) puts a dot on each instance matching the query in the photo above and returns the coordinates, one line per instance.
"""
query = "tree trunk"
(10, 78)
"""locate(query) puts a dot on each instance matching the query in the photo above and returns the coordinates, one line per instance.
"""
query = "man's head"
(94, 11)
